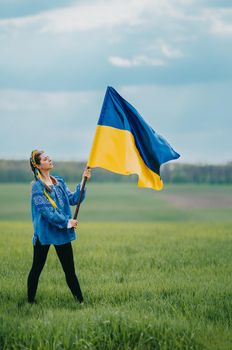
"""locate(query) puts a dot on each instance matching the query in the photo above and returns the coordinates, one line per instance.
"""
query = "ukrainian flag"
(125, 144)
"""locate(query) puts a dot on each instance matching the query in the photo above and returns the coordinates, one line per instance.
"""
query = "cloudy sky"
(172, 59)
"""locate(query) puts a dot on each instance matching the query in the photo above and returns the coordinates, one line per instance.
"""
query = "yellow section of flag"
(115, 150)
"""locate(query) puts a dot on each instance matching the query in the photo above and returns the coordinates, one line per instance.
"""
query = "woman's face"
(45, 162)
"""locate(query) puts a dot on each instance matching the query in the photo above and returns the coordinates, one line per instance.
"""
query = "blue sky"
(170, 58)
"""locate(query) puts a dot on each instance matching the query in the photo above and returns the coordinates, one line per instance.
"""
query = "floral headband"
(33, 158)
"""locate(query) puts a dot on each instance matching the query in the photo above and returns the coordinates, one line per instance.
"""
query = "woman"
(52, 222)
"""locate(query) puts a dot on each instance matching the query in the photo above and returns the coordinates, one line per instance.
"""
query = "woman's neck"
(46, 176)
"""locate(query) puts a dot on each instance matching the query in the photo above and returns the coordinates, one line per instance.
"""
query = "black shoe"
(81, 301)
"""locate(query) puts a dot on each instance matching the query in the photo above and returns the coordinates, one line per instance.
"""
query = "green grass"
(148, 282)
(146, 286)
(125, 202)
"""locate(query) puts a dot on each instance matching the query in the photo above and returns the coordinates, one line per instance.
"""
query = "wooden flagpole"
(79, 200)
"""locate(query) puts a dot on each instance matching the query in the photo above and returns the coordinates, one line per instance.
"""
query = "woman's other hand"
(72, 223)
(86, 173)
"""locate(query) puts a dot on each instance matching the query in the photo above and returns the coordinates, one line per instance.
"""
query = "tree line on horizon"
(20, 171)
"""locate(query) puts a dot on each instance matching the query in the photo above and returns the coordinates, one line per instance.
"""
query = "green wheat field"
(155, 270)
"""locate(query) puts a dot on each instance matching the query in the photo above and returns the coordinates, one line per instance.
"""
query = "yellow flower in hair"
(33, 158)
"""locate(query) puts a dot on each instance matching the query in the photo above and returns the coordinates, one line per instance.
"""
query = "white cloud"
(221, 27)
(100, 14)
(82, 17)
(135, 61)
(219, 20)
(171, 52)
(134, 33)
(120, 61)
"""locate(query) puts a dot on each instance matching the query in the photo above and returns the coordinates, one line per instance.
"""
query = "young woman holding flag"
(52, 221)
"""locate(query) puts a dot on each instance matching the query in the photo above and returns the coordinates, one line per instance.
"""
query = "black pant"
(65, 255)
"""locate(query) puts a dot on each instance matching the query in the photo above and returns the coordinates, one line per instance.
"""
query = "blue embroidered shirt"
(50, 224)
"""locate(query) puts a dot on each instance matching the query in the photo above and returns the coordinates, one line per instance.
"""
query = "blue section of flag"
(118, 113)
